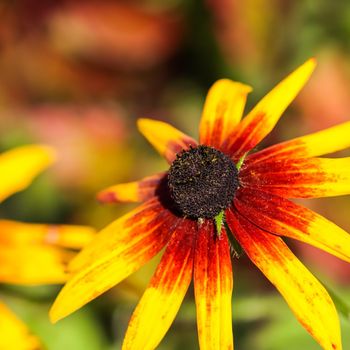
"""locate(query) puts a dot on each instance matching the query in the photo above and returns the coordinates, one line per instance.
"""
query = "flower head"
(215, 189)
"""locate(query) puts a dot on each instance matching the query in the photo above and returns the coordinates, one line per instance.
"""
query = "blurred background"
(77, 75)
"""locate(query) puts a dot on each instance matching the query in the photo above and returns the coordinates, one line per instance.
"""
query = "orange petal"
(33, 264)
(299, 178)
(222, 111)
(282, 217)
(213, 285)
(116, 252)
(319, 143)
(167, 140)
(263, 118)
(162, 299)
(306, 297)
(14, 334)
(13, 233)
(137, 191)
(18, 167)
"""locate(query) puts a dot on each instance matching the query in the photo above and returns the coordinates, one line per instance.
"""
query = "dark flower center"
(202, 182)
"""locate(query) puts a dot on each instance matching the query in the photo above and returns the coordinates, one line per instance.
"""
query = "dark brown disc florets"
(202, 182)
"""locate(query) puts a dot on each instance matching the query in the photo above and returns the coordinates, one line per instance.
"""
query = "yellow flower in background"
(216, 192)
(14, 334)
(31, 254)
(38, 253)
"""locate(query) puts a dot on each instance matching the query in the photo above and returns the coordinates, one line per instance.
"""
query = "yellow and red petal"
(14, 333)
(15, 234)
(319, 143)
(222, 111)
(306, 297)
(166, 139)
(299, 178)
(162, 299)
(264, 116)
(18, 167)
(136, 191)
(213, 285)
(117, 251)
(282, 217)
(33, 264)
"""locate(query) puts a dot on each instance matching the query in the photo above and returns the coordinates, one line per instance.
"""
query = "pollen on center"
(202, 182)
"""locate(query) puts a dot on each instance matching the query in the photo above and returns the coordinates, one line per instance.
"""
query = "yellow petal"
(163, 297)
(213, 285)
(264, 116)
(306, 297)
(14, 233)
(116, 252)
(33, 264)
(319, 143)
(14, 334)
(137, 191)
(222, 111)
(283, 217)
(166, 139)
(21, 165)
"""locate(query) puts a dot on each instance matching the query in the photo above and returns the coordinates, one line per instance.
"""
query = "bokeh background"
(77, 75)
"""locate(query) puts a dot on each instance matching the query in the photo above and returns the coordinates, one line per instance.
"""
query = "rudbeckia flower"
(31, 253)
(214, 189)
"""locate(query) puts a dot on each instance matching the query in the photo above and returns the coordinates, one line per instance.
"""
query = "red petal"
(283, 217)
(306, 297)
(213, 285)
(222, 111)
(117, 251)
(166, 139)
(264, 116)
(163, 297)
(299, 178)
(136, 191)
(319, 143)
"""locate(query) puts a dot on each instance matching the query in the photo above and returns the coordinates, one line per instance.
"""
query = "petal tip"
(228, 82)
(310, 65)
(60, 309)
(143, 122)
(105, 197)
(313, 60)
(53, 316)
(146, 125)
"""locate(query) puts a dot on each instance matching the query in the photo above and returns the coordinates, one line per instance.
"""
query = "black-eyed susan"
(31, 254)
(212, 188)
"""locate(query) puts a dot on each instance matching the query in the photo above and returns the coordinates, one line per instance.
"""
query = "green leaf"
(241, 160)
(219, 220)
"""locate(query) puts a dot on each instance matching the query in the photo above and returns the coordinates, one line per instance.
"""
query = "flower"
(14, 334)
(252, 204)
(31, 253)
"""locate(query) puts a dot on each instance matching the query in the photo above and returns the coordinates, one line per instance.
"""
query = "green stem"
(219, 220)
(241, 160)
